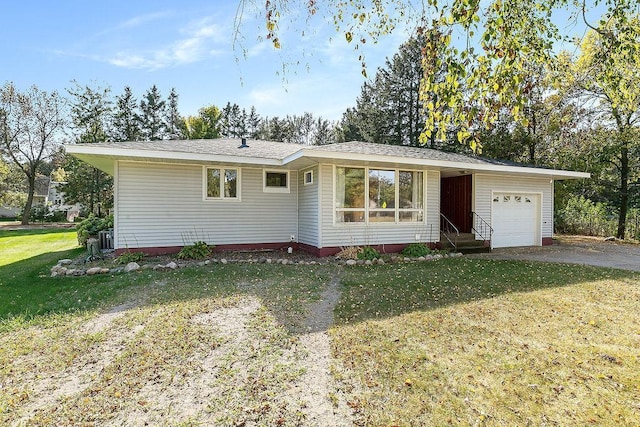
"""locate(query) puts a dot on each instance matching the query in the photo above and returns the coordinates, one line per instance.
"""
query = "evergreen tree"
(253, 123)
(174, 122)
(152, 117)
(91, 113)
(348, 128)
(126, 120)
(325, 132)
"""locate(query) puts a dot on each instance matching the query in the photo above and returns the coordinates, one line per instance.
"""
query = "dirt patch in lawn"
(218, 361)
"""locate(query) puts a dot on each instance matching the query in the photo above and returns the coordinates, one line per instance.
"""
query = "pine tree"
(152, 117)
(173, 120)
(253, 123)
(126, 120)
(91, 113)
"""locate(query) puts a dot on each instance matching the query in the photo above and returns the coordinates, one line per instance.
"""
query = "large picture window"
(392, 195)
(222, 183)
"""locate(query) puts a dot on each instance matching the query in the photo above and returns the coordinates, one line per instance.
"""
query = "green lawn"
(457, 341)
(473, 342)
(19, 245)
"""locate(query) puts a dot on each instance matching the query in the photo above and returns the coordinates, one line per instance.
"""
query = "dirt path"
(326, 405)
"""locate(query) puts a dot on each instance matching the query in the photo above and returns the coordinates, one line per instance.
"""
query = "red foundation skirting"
(547, 241)
(319, 252)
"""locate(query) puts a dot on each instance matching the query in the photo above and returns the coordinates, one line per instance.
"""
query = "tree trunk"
(26, 213)
(624, 190)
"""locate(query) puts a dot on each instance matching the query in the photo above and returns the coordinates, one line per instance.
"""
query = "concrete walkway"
(575, 250)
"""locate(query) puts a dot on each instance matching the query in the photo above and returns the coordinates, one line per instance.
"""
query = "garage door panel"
(515, 220)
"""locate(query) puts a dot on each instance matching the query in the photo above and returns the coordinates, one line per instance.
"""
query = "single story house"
(239, 194)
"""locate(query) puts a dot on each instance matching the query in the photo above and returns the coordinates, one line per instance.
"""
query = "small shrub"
(91, 226)
(415, 250)
(350, 252)
(197, 250)
(127, 257)
(368, 253)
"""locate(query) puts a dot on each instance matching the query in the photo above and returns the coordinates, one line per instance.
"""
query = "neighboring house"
(40, 196)
(56, 201)
(262, 194)
(41, 190)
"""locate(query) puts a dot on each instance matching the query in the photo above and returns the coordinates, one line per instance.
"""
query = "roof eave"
(87, 152)
(555, 174)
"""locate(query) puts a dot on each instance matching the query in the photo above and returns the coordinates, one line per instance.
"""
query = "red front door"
(455, 201)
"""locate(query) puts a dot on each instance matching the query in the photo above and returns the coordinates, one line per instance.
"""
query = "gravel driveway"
(576, 250)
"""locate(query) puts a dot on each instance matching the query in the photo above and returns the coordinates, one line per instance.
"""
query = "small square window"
(308, 178)
(276, 181)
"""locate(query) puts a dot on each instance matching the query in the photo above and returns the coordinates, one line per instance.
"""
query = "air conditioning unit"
(106, 239)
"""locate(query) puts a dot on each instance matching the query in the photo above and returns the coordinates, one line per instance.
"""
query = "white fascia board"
(129, 154)
(473, 167)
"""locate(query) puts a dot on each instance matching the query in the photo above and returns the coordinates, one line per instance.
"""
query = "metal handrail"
(481, 227)
(449, 228)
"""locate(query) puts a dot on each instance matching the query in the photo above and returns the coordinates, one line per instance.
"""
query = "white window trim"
(266, 189)
(222, 198)
(304, 177)
(366, 208)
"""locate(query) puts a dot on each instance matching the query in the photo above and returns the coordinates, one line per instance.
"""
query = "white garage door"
(515, 218)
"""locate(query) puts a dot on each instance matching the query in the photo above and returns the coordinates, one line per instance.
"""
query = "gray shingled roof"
(368, 148)
(218, 147)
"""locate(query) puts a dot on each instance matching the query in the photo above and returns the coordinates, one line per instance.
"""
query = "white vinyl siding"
(486, 185)
(308, 210)
(336, 235)
(161, 205)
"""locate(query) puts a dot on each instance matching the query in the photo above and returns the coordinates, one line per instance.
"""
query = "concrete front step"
(465, 243)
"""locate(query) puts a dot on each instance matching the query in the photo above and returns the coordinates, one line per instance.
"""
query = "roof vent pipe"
(243, 143)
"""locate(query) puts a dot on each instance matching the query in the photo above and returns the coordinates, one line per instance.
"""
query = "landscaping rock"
(132, 266)
(70, 272)
(94, 270)
(172, 265)
(421, 258)
(351, 262)
(269, 261)
(65, 261)
(381, 261)
(104, 270)
(223, 261)
(610, 239)
(437, 256)
(368, 262)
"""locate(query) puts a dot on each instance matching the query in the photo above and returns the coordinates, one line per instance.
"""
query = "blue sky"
(187, 45)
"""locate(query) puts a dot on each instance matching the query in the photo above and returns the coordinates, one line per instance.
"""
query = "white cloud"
(200, 40)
